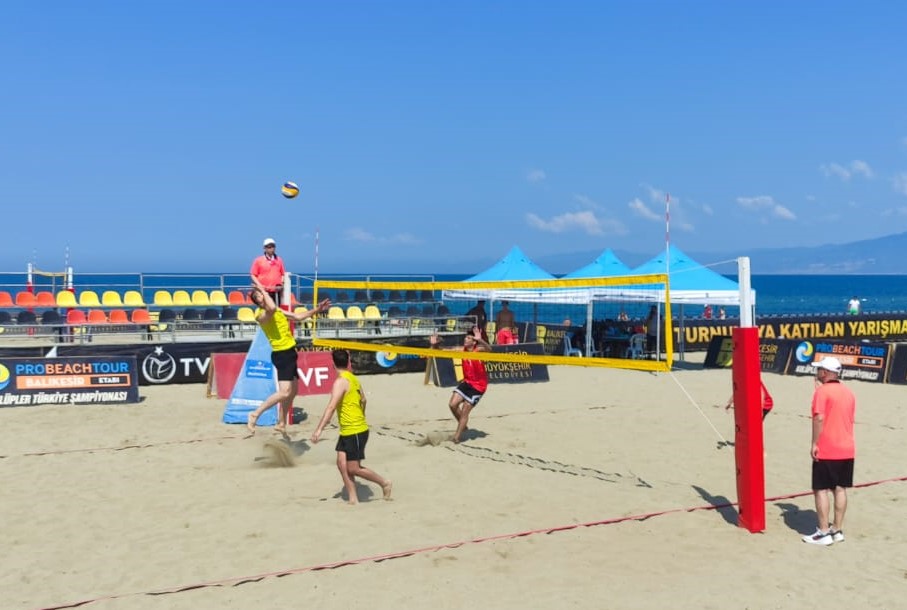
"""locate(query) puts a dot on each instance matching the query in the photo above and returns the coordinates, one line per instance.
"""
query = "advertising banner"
(448, 372)
(863, 361)
(164, 363)
(897, 370)
(773, 354)
(316, 373)
(86, 380)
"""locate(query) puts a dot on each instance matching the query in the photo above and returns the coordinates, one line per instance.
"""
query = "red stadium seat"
(25, 299)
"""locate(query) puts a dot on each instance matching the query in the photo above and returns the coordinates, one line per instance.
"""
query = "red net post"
(748, 441)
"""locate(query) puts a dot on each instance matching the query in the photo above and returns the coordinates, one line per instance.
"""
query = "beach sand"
(540, 507)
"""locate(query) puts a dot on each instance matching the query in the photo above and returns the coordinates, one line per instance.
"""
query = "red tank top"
(474, 374)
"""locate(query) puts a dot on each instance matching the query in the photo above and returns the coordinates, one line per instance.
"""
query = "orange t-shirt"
(836, 404)
(269, 270)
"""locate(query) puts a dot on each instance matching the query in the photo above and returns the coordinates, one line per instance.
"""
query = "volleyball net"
(602, 321)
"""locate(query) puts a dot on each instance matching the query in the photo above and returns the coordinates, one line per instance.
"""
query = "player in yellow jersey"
(275, 323)
(348, 399)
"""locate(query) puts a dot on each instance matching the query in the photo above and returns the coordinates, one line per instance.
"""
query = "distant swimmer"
(853, 306)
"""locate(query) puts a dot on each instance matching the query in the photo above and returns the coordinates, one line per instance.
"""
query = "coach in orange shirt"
(269, 270)
(833, 450)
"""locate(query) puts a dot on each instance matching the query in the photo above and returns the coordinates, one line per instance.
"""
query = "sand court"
(600, 488)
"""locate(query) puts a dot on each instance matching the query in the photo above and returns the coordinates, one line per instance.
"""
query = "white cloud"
(642, 210)
(862, 168)
(833, 169)
(536, 175)
(899, 182)
(585, 221)
(586, 201)
(363, 236)
(357, 234)
(657, 195)
(779, 211)
(845, 173)
(765, 203)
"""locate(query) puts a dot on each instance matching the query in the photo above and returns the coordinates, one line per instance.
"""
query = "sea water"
(775, 294)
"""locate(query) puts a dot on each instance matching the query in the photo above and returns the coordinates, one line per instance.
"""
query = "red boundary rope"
(450, 545)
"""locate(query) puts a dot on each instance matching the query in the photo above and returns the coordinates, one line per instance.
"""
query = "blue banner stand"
(256, 381)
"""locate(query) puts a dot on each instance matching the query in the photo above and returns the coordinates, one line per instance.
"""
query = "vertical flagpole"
(667, 261)
(668, 233)
(317, 235)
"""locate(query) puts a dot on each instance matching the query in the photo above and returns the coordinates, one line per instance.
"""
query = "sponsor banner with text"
(773, 354)
(698, 333)
(77, 380)
(449, 371)
(863, 361)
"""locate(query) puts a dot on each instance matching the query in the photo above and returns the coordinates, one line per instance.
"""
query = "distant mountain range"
(880, 256)
(883, 255)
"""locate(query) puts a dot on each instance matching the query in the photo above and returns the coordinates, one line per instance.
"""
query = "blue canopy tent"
(691, 283)
(514, 266)
(606, 265)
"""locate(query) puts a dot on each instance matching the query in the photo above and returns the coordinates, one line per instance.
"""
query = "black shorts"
(285, 363)
(469, 393)
(353, 446)
(828, 474)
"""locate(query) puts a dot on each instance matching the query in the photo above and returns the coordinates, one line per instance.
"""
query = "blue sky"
(144, 136)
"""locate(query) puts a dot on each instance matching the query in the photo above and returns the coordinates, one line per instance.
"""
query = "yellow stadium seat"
(335, 312)
(181, 297)
(354, 312)
(199, 297)
(111, 298)
(372, 312)
(89, 298)
(308, 323)
(219, 298)
(163, 298)
(245, 314)
(133, 298)
(66, 299)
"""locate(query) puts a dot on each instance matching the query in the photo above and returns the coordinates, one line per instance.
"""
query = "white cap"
(269, 241)
(829, 364)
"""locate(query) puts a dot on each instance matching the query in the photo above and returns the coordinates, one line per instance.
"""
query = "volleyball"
(289, 190)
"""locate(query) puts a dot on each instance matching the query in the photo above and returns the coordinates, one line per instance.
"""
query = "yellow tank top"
(349, 412)
(277, 330)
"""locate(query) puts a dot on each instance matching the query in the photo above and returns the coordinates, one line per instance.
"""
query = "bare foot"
(281, 429)
(386, 488)
(250, 423)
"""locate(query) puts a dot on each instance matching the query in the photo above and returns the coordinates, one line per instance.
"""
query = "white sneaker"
(837, 535)
(820, 537)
